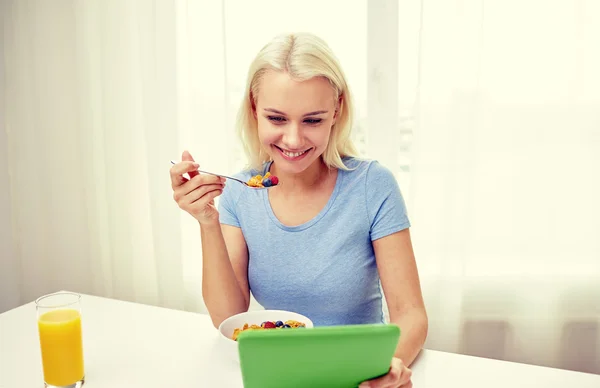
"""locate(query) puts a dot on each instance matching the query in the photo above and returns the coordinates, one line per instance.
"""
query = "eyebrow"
(318, 112)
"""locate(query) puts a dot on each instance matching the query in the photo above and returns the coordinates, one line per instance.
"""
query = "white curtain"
(100, 96)
(505, 179)
(488, 112)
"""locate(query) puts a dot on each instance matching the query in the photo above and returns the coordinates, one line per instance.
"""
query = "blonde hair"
(303, 56)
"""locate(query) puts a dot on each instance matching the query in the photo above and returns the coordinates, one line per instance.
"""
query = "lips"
(292, 155)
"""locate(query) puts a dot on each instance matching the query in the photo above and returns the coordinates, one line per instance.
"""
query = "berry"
(286, 326)
(269, 325)
(267, 182)
(278, 323)
(274, 180)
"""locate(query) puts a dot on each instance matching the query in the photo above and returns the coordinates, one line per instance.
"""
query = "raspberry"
(274, 180)
(269, 325)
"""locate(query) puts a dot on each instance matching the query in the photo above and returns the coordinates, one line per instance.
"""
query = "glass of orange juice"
(59, 327)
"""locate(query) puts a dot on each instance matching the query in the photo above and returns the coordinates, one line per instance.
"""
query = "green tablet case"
(328, 356)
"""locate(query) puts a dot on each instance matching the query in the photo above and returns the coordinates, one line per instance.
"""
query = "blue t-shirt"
(325, 268)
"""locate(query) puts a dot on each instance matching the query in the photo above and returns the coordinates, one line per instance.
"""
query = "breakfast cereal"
(289, 324)
(267, 181)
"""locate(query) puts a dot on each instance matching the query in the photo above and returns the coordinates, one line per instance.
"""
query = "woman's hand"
(195, 195)
(398, 377)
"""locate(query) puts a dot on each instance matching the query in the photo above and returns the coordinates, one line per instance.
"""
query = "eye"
(313, 121)
(276, 119)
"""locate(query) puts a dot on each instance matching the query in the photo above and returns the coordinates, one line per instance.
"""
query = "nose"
(292, 137)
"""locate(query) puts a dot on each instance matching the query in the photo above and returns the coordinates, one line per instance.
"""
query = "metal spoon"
(232, 178)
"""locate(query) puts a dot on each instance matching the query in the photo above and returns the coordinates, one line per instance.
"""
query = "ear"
(253, 106)
(338, 108)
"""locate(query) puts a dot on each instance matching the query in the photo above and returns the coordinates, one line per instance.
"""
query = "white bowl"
(229, 347)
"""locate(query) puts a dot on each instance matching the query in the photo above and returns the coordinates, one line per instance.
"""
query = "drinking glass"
(59, 327)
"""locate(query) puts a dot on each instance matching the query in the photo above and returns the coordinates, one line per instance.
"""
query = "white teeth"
(293, 154)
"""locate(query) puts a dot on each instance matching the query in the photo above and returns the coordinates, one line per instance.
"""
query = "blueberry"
(267, 182)
(278, 323)
(286, 326)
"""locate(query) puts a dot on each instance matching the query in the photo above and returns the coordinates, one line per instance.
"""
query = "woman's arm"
(224, 252)
(401, 285)
(224, 271)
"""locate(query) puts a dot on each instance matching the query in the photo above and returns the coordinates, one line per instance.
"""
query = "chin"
(293, 167)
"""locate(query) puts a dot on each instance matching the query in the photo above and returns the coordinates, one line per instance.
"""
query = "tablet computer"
(328, 356)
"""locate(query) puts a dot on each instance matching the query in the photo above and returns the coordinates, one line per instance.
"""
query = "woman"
(321, 240)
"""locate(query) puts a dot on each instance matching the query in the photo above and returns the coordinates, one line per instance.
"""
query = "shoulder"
(380, 176)
(369, 170)
(384, 204)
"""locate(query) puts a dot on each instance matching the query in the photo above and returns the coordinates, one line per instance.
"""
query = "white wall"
(9, 271)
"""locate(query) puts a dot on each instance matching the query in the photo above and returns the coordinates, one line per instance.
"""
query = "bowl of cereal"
(230, 328)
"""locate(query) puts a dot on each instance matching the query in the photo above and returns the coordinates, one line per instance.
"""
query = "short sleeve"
(386, 208)
(227, 208)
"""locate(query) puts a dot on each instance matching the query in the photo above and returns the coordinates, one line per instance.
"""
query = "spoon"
(232, 178)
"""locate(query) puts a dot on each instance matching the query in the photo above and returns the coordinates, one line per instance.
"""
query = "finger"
(396, 376)
(207, 198)
(194, 184)
(405, 378)
(177, 171)
(384, 381)
(199, 180)
(199, 193)
(188, 157)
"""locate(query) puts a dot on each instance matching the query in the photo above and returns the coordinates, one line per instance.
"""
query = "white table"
(134, 345)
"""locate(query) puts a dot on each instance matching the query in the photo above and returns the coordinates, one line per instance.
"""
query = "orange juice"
(61, 345)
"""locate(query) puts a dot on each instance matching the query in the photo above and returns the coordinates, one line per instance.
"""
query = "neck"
(304, 181)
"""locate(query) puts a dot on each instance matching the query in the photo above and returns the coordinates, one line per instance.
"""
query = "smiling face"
(294, 119)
